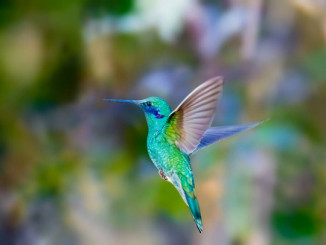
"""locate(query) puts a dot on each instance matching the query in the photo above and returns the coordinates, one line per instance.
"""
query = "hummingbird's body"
(174, 135)
(173, 164)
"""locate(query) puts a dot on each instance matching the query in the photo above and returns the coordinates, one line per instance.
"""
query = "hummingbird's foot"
(162, 174)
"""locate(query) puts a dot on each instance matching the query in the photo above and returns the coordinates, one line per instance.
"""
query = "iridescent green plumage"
(174, 135)
(172, 163)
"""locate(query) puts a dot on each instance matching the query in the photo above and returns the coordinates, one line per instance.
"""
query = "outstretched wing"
(216, 134)
(189, 121)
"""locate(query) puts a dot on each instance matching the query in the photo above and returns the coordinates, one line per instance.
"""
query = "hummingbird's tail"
(195, 211)
(186, 187)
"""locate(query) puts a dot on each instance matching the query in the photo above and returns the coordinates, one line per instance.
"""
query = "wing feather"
(188, 122)
(216, 134)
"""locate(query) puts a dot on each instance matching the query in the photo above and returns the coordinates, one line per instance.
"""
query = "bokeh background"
(75, 170)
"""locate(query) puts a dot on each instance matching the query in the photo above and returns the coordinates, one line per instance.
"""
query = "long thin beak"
(123, 101)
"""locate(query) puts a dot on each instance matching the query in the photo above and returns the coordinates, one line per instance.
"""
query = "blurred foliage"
(75, 169)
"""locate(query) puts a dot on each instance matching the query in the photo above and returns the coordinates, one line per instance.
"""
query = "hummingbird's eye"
(149, 104)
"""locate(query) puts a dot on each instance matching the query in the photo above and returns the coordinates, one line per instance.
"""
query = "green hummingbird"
(174, 135)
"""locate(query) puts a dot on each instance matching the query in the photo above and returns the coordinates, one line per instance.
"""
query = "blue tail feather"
(195, 211)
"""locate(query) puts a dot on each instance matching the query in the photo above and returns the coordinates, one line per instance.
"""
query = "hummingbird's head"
(156, 109)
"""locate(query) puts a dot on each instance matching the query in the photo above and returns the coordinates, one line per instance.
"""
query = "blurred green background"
(75, 170)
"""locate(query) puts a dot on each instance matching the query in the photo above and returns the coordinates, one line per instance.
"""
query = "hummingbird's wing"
(189, 121)
(216, 134)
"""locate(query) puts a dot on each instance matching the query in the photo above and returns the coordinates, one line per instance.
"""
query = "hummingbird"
(173, 136)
